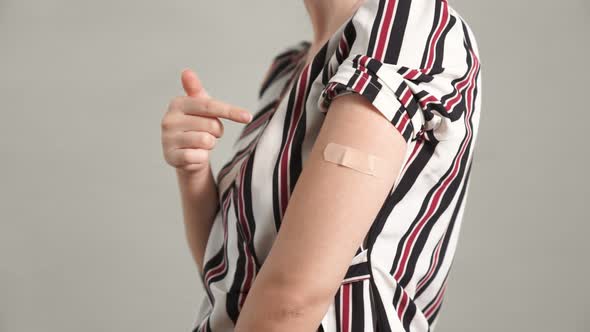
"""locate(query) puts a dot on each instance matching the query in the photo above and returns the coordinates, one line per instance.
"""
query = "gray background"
(91, 235)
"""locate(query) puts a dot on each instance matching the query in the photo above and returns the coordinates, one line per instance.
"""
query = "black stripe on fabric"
(352, 80)
(447, 238)
(286, 53)
(358, 307)
(433, 301)
(422, 77)
(349, 34)
(412, 106)
(268, 108)
(397, 294)
(281, 68)
(327, 72)
(407, 181)
(359, 250)
(396, 36)
(381, 323)
(372, 66)
(434, 315)
(220, 174)
(440, 46)
(430, 136)
(435, 23)
(375, 29)
(337, 308)
(207, 327)
(409, 313)
(407, 134)
(296, 158)
(397, 115)
(444, 203)
(276, 185)
(284, 62)
(459, 109)
(232, 296)
(428, 115)
(372, 308)
(246, 189)
(372, 89)
(231, 306)
(357, 270)
(219, 257)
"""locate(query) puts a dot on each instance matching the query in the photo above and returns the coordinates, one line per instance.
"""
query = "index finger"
(208, 106)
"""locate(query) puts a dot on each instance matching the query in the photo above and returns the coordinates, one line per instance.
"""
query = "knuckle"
(185, 156)
(208, 140)
(219, 127)
(213, 127)
(212, 141)
(167, 122)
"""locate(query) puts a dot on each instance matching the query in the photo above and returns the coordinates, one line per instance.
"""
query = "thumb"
(191, 83)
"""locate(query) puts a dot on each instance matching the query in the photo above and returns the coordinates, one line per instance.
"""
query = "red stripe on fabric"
(452, 102)
(346, 307)
(406, 96)
(386, 23)
(433, 264)
(417, 147)
(428, 313)
(254, 125)
(402, 124)
(343, 45)
(402, 305)
(412, 74)
(362, 77)
(427, 99)
(444, 20)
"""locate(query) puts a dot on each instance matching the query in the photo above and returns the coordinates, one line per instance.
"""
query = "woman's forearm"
(200, 202)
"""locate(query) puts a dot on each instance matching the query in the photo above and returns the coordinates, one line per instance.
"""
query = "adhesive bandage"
(354, 159)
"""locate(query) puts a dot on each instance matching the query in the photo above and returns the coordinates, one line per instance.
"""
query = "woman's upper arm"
(332, 207)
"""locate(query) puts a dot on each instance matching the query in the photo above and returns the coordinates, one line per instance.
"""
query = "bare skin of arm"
(328, 215)
(199, 205)
(190, 129)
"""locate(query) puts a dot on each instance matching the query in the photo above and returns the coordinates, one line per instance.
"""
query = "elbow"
(294, 297)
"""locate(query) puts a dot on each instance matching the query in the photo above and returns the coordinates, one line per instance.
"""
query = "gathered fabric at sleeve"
(415, 61)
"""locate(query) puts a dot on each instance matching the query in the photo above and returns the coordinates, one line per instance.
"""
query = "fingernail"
(246, 116)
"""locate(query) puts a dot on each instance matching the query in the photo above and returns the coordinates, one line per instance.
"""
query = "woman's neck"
(328, 15)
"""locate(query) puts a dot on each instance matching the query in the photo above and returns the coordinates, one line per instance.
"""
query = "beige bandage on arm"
(354, 159)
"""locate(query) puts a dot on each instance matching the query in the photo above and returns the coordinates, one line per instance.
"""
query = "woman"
(361, 247)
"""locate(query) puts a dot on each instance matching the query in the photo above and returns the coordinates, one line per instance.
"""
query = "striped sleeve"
(411, 59)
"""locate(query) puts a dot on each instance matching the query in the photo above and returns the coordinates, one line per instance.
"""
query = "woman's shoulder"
(283, 61)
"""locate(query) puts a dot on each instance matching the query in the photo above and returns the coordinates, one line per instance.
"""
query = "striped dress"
(417, 61)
